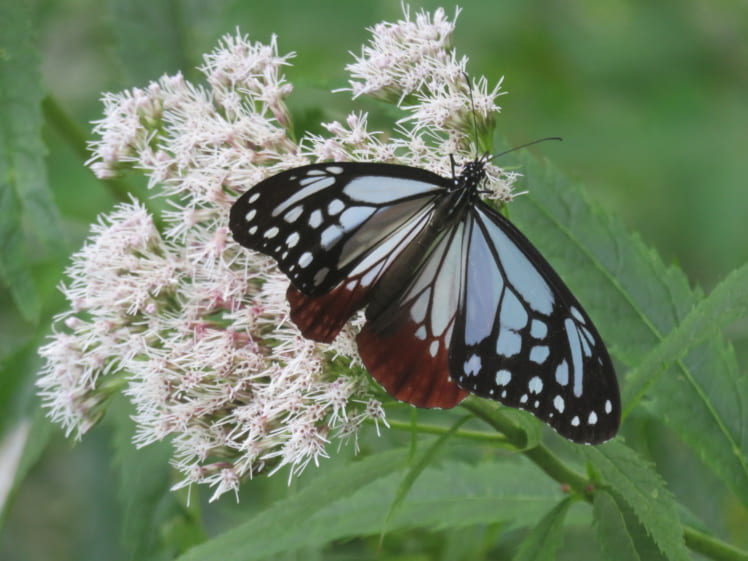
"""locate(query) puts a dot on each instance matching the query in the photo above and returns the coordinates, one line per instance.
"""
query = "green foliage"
(546, 537)
(667, 146)
(628, 476)
(637, 301)
(24, 192)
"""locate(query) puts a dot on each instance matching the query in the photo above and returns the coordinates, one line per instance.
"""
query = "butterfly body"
(457, 300)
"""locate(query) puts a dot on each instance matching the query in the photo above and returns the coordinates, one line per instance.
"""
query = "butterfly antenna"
(526, 145)
(472, 107)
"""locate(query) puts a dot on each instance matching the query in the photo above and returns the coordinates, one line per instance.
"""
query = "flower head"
(194, 329)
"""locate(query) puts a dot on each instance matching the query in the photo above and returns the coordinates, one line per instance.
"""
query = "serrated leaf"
(271, 531)
(544, 539)
(352, 501)
(616, 542)
(24, 192)
(621, 536)
(636, 300)
(629, 477)
(727, 302)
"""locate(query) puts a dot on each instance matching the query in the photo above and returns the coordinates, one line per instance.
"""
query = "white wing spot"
(253, 197)
(562, 373)
(421, 333)
(577, 314)
(503, 377)
(523, 399)
(420, 307)
(513, 314)
(575, 421)
(301, 194)
(380, 189)
(314, 172)
(538, 329)
(535, 385)
(369, 277)
(292, 215)
(472, 365)
(271, 232)
(536, 404)
(509, 343)
(355, 216)
(292, 240)
(334, 207)
(572, 334)
(305, 259)
(330, 236)
(434, 347)
(315, 219)
(250, 215)
(320, 276)
(559, 403)
(592, 419)
(539, 354)
(334, 169)
(253, 230)
(317, 183)
(608, 406)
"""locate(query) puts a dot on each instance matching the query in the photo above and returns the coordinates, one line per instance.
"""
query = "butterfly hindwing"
(319, 221)
(522, 338)
(405, 342)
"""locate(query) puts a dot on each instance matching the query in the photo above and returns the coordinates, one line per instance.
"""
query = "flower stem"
(436, 429)
(711, 547)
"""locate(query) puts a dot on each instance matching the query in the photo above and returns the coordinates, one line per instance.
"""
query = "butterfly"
(457, 300)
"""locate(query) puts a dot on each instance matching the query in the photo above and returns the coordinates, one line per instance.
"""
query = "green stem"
(709, 546)
(436, 429)
(697, 541)
(540, 455)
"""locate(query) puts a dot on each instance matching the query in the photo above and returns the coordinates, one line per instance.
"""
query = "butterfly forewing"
(321, 317)
(522, 338)
(319, 221)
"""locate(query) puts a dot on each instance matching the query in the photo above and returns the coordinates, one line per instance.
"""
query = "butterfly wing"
(334, 229)
(522, 338)
(406, 340)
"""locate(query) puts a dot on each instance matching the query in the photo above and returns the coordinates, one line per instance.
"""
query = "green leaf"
(636, 301)
(544, 539)
(621, 536)
(629, 477)
(150, 510)
(417, 468)
(351, 502)
(727, 302)
(150, 38)
(24, 193)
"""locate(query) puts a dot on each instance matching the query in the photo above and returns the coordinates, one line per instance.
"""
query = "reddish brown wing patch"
(405, 367)
(321, 318)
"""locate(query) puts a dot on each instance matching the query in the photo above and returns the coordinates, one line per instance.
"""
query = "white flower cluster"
(194, 329)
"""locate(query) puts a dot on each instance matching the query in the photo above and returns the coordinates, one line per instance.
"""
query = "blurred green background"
(651, 99)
